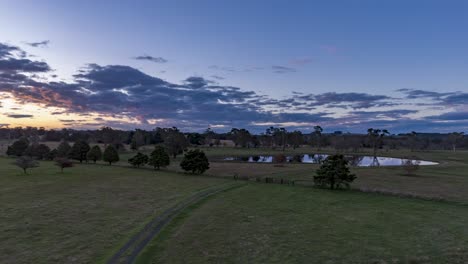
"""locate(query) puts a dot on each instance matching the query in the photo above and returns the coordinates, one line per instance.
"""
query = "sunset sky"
(344, 65)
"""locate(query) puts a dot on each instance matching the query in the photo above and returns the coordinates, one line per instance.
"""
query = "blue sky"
(273, 48)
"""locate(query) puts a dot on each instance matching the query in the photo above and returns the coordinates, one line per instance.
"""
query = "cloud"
(282, 69)
(217, 77)
(151, 58)
(40, 44)
(330, 49)
(125, 93)
(301, 61)
(19, 116)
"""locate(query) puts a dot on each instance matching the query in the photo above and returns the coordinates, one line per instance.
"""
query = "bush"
(138, 160)
(195, 161)
(279, 159)
(334, 173)
(159, 158)
(410, 166)
(244, 158)
(94, 154)
(256, 158)
(26, 163)
(63, 163)
(110, 155)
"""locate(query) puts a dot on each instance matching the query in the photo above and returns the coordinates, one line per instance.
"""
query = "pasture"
(88, 212)
(83, 214)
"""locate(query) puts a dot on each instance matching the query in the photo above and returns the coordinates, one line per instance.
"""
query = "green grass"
(84, 214)
(279, 224)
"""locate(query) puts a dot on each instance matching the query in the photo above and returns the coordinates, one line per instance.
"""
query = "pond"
(354, 160)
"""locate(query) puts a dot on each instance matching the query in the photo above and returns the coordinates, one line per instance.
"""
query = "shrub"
(244, 158)
(63, 163)
(138, 160)
(195, 161)
(256, 158)
(110, 155)
(334, 173)
(25, 163)
(279, 159)
(410, 166)
(159, 158)
(94, 154)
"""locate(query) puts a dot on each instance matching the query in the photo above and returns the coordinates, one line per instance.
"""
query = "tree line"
(176, 141)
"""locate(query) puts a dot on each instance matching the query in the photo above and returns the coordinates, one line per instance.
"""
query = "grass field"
(281, 224)
(85, 214)
(82, 215)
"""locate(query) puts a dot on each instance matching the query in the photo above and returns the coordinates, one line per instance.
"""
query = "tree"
(241, 137)
(63, 149)
(94, 154)
(63, 163)
(174, 141)
(52, 155)
(110, 155)
(138, 139)
(295, 138)
(159, 158)
(413, 140)
(25, 163)
(18, 147)
(138, 160)
(376, 138)
(410, 166)
(41, 151)
(79, 151)
(454, 138)
(334, 173)
(318, 136)
(195, 161)
(278, 135)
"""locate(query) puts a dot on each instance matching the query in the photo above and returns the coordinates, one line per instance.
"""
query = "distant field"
(85, 213)
(280, 224)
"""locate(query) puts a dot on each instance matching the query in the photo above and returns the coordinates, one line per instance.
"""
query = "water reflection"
(354, 160)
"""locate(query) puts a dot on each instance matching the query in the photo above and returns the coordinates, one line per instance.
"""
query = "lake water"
(358, 161)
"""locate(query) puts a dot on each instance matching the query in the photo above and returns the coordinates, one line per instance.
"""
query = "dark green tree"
(18, 147)
(110, 155)
(159, 158)
(63, 149)
(51, 155)
(334, 173)
(79, 151)
(195, 161)
(94, 154)
(138, 160)
(41, 151)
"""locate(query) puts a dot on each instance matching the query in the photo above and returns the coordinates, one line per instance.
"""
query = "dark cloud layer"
(196, 103)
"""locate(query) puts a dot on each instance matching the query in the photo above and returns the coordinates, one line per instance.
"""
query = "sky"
(345, 65)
